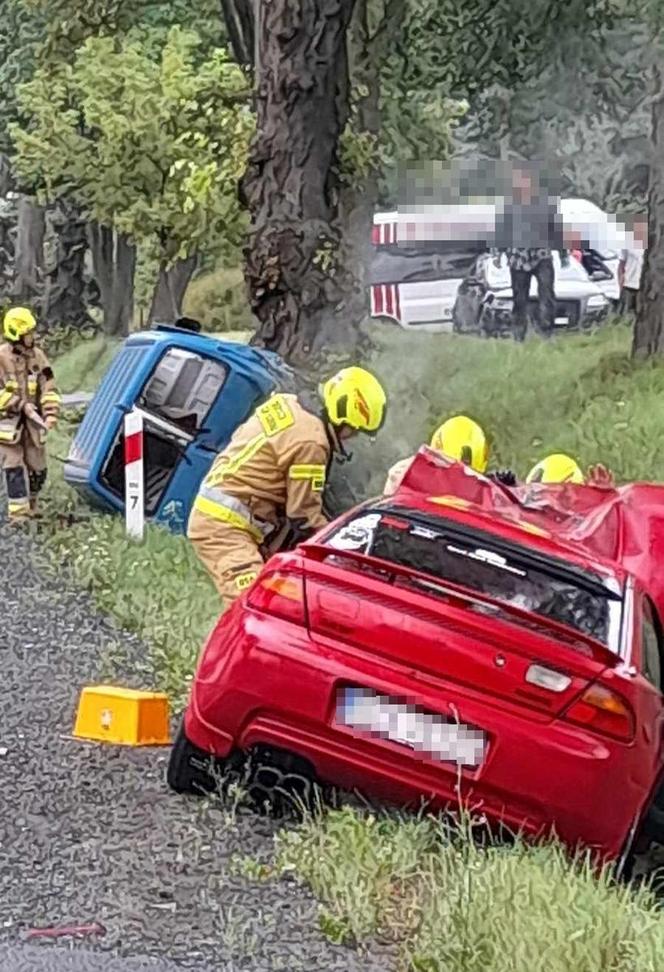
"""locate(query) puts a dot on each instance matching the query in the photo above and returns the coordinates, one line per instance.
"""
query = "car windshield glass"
(507, 573)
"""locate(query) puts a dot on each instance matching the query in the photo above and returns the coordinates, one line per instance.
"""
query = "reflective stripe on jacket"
(26, 377)
(275, 465)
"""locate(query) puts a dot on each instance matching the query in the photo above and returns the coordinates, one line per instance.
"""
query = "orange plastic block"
(122, 716)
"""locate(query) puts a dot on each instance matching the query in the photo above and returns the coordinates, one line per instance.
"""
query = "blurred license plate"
(562, 320)
(400, 722)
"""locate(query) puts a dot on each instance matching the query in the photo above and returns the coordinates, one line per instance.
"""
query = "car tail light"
(279, 594)
(603, 711)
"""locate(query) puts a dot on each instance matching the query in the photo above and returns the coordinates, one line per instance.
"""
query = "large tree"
(649, 324)
(299, 290)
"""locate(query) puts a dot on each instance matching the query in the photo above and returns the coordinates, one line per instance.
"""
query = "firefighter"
(273, 473)
(29, 408)
(560, 468)
(458, 438)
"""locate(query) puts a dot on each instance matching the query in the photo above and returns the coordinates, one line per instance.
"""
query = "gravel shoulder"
(91, 834)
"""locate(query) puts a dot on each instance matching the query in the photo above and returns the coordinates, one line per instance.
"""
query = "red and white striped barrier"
(134, 479)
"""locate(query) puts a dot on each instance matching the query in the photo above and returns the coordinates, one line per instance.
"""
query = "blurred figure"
(528, 229)
(630, 267)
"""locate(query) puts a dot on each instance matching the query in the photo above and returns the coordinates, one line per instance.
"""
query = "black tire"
(644, 838)
(190, 769)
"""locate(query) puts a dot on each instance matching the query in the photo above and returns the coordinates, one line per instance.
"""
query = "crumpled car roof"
(618, 531)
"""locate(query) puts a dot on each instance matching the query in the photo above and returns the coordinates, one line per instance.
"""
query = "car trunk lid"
(444, 633)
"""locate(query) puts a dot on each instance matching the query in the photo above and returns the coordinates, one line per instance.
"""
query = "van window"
(182, 389)
(651, 640)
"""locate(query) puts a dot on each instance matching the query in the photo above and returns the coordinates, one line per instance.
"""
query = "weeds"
(456, 906)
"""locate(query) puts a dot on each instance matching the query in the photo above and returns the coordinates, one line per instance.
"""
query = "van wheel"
(192, 770)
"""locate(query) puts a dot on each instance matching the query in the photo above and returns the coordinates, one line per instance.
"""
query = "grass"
(580, 394)
(81, 368)
(449, 905)
(156, 589)
(453, 906)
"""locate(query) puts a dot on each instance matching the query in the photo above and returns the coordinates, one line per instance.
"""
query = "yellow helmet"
(556, 468)
(462, 439)
(356, 398)
(17, 322)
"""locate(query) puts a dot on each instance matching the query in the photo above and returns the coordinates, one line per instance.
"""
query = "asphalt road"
(90, 834)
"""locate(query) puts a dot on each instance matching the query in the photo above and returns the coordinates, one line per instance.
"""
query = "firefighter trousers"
(24, 470)
(230, 555)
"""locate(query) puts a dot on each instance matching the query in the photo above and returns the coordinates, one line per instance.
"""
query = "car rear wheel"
(272, 781)
(192, 770)
(644, 845)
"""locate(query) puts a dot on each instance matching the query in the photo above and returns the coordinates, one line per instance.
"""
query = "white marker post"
(134, 489)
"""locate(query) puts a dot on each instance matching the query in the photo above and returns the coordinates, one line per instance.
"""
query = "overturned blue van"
(193, 391)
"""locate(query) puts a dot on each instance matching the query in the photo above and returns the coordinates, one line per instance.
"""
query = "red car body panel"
(264, 678)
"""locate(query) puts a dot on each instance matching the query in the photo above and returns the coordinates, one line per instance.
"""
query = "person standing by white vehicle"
(630, 266)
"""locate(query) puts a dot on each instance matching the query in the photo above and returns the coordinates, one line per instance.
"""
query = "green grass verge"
(580, 394)
(156, 589)
(451, 906)
(81, 368)
(455, 907)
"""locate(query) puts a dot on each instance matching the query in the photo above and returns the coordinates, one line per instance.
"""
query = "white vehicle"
(602, 234)
(421, 257)
(484, 301)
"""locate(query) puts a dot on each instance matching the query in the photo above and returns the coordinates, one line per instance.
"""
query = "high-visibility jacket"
(275, 466)
(26, 378)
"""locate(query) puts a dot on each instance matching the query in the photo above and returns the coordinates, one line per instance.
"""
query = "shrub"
(219, 301)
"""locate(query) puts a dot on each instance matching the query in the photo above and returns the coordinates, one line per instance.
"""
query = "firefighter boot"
(18, 497)
(36, 481)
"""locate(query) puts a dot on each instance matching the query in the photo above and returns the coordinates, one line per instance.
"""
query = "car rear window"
(505, 572)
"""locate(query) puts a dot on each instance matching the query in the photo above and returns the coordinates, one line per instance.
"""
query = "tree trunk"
(5, 175)
(28, 285)
(114, 261)
(170, 289)
(238, 16)
(8, 223)
(66, 285)
(300, 290)
(649, 325)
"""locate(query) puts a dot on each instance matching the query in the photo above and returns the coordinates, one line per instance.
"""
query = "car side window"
(651, 640)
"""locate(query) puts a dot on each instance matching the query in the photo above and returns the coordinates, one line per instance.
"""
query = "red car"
(457, 641)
